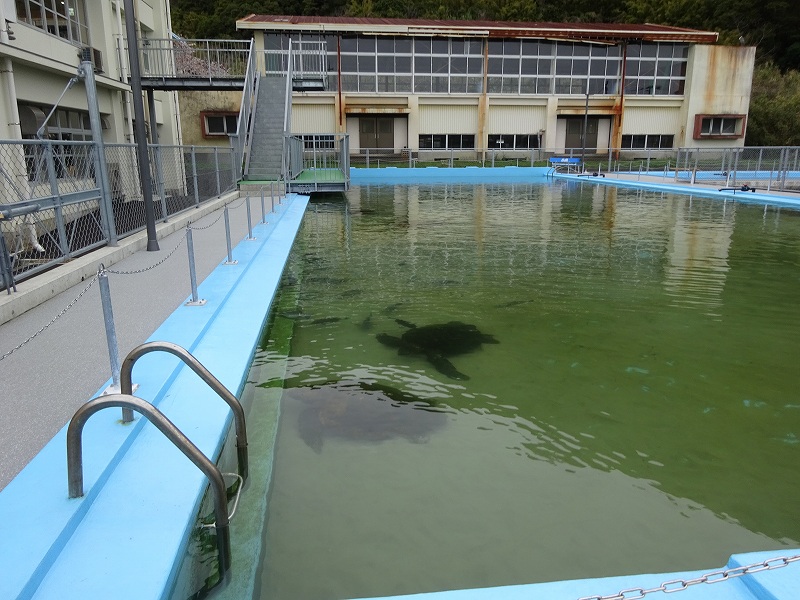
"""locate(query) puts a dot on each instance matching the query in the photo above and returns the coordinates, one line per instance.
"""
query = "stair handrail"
(168, 428)
(287, 112)
(244, 127)
(126, 388)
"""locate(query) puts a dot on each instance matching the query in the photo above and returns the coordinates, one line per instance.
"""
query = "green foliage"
(774, 107)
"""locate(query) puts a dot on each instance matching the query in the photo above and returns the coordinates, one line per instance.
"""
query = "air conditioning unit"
(94, 56)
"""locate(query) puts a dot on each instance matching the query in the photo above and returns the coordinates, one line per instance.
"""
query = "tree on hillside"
(774, 107)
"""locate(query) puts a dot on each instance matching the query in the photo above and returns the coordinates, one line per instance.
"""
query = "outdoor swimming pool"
(639, 412)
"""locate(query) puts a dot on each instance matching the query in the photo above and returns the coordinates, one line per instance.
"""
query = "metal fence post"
(735, 165)
(111, 333)
(194, 178)
(272, 196)
(249, 219)
(160, 182)
(216, 170)
(230, 260)
(86, 69)
(368, 158)
(195, 301)
(263, 208)
(6, 270)
(59, 207)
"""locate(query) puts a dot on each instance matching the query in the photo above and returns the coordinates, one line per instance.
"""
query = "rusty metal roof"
(599, 32)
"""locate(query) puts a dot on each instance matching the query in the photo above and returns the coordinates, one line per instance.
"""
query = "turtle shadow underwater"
(362, 412)
(438, 341)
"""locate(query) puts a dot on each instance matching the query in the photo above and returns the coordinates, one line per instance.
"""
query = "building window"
(443, 141)
(219, 123)
(318, 142)
(402, 64)
(63, 18)
(718, 126)
(71, 133)
(513, 141)
(656, 69)
(648, 141)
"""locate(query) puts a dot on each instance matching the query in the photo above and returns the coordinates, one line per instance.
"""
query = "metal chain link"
(209, 226)
(53, 320)
(238, 205)
(679, 585)
(159, 263)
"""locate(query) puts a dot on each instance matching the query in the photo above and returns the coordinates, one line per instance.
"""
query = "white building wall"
(516, 118)
(718, 81)
(448, 118)
(652, 119)
(313, 118)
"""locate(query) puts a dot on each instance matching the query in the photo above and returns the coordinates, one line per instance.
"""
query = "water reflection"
(643, 389)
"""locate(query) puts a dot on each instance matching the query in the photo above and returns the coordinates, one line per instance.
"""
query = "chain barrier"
(238, 205)
(209, 226)
(53, 320)
(145, 269)
(679, 585)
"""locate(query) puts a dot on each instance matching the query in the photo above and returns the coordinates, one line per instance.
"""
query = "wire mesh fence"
(770, 168)
(54, 207)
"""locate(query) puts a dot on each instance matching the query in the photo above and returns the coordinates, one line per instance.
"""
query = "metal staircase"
(266, 147)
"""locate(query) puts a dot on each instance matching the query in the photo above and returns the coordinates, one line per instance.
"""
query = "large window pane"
(366, 44)
(366, 63)
(458, 64)
(440, 46)
(422, 64)
(422, 46)
(402, 64)
(385, 64)
(349, 63)
(386, 45)
(511, 66)
(402, 45)
(439, 64)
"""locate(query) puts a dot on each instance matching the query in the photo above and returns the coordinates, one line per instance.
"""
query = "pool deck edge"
(63, 537)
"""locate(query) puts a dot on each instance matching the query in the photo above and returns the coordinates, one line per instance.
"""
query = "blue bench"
(568, 164)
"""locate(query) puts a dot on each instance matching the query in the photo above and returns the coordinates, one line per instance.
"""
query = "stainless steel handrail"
(184, 444)
(126, 387)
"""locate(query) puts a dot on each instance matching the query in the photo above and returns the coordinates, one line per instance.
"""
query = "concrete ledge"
(389, 175)
(32, 292)
(772, 199)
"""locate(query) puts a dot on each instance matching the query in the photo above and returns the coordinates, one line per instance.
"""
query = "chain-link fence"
(769, 168)
(54, 207)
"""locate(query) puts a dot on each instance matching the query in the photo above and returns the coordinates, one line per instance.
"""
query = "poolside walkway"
(661, 183)
(49, 377)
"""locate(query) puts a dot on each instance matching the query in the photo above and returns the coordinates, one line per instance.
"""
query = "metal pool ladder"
(130, 403)
(126, 387)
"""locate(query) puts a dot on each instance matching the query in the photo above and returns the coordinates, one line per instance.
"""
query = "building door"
(376, 132)
(574, 139)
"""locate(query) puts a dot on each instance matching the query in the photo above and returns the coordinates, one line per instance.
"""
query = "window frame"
(222, 114)
(700, 120)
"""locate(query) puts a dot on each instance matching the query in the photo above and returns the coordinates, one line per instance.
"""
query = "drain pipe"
(124, 71)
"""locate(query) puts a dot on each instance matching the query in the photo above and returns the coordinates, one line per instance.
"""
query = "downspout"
(123, 65)
(15, 129)
(339, 80)
(7, 81)
(483, 102)
(617, 134)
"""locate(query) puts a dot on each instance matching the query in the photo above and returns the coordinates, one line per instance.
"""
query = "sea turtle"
(362, 412)
(438, 341)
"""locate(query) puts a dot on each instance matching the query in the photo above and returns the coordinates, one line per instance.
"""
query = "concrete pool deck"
(40, 391)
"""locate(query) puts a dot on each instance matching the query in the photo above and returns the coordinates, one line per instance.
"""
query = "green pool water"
(639, 413)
